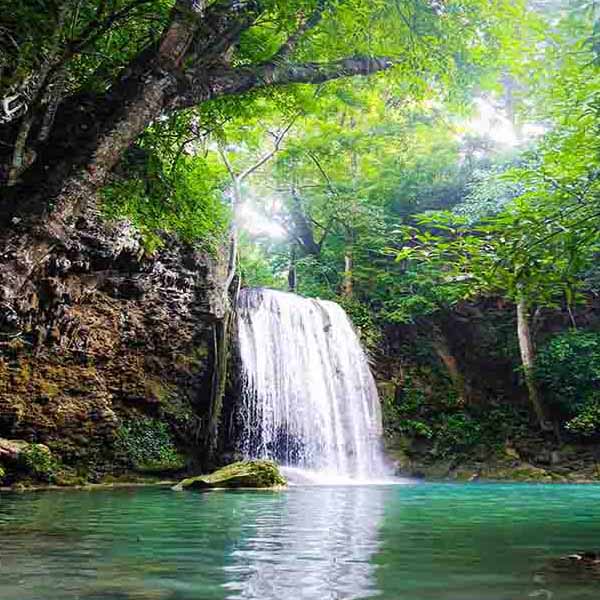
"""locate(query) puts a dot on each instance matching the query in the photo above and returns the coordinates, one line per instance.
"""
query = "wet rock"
(244, 474)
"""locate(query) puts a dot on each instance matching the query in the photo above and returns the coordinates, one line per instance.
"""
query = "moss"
(244, 474)
(69, 478)
(173, 462)
(2, 473)
(520, 472)
(48, 389)
(190, 363)
(24, 374)
(154, 389)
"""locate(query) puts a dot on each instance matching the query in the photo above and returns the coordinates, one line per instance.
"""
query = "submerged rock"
(581, 566)
(244, 474)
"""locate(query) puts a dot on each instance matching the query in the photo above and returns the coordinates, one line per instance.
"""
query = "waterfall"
(309, 399)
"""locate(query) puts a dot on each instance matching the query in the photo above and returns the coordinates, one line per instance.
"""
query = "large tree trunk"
(527, 360)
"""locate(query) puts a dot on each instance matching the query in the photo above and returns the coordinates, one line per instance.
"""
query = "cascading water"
(309, 399)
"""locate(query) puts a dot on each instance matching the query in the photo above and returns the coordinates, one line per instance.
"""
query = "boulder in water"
(244, 474)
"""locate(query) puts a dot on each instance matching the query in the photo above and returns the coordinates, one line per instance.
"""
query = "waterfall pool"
(410, 542)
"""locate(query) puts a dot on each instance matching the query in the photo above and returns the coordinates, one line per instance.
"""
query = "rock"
(511, 452)
(97, 332)
(12, 449)
(580, 566)
(519, 472)
(30, 460)
(244, 474)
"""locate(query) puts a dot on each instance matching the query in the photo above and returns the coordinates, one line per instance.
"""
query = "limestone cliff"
(96, 335)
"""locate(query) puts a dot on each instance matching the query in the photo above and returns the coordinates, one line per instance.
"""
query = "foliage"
(568, 366)
(362, 318)
(257, 268)
(39, 462)
(185, 200)
(148, 446)
(587, 422)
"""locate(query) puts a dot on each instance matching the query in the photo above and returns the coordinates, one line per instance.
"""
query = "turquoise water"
(416, 542)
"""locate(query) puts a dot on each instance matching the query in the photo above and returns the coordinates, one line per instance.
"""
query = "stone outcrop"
(94, 332)
(243, 474)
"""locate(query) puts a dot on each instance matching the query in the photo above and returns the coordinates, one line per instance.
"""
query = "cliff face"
(455, 405)
(107, 356)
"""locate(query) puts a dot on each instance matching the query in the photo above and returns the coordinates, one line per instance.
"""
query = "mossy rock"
(244, 474)
(520, 472)
(24, 459)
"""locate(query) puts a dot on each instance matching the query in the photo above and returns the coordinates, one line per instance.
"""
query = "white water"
(309, 399)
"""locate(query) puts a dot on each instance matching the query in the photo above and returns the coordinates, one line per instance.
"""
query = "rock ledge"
(244, 474)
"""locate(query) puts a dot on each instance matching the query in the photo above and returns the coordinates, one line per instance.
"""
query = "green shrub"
(363, 320)
(147, 445)
(456, 433)
(39, 462)
(568, 369)
(587, 422)
(186, 202)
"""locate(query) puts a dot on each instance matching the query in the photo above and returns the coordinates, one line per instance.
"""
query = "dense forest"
(299, 299)
(431, 166)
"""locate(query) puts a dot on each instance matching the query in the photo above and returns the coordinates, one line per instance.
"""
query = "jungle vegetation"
(407, 158)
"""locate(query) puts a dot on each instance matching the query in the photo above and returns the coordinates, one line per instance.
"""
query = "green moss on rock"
(244, 474)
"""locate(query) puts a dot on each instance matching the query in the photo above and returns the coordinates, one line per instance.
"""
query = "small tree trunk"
(292, 275)
(442, 349)
(233, 248)
(20, 159)
(527, 360)
(221, 335)
(347, 283)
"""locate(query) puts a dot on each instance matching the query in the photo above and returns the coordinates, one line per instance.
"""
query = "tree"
(178, 57)
(207, 51)
(512, 255)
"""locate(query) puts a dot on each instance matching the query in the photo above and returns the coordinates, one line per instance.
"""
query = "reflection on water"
(315, 545)
(412, 542)
(160, 545)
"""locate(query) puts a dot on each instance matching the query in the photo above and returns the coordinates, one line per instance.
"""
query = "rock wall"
(488, 431)
(95, 334)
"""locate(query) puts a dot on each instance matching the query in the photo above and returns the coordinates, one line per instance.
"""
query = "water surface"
(415, 542)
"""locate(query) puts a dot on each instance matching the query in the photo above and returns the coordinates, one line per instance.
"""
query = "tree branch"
(203, 86)
(227, 162)
(268, 155)
(288, 47)
(221, 27)
(323, 173)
